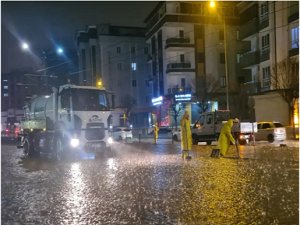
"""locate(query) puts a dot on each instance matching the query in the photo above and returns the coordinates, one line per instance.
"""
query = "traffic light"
(99, 83)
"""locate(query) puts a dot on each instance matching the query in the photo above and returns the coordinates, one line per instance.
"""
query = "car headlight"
(110, 140)
(74, 142)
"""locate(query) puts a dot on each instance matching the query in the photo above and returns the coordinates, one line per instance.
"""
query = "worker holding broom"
(226, 137)
(186, 137)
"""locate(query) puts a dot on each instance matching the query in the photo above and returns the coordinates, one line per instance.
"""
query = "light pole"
(212, 5)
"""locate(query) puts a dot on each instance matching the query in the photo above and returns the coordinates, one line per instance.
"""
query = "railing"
(179, 67)
(177, 90)
(249, 59)
(181, 40)
(249, 28)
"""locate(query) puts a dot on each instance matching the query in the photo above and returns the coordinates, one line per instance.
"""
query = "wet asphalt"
(143, 183)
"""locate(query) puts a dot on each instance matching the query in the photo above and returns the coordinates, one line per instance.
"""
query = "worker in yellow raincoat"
(225, 137)
(186, 136)
(155, 132)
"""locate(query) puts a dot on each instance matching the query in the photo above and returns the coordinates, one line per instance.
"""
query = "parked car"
(163, 132)
(270, 131)
(122, 133)
(177, 135)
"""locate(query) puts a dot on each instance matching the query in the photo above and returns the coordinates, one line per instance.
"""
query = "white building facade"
(272, 28)
(187, 55)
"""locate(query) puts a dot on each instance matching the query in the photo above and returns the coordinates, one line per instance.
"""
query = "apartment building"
(116, 57)
(272, 29)
(193, 56)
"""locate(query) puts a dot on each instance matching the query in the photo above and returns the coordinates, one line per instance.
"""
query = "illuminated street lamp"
(25, 46)
(60, 51)
(212, 5)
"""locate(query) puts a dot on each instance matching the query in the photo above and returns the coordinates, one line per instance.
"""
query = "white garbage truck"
(208, 127)
(72, 119)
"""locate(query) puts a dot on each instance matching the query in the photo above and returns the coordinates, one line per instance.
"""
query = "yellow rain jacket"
(186, 136)
(225, 137)
(155, 131)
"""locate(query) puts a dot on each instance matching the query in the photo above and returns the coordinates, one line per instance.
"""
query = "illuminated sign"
(183, 97)
(157, 101)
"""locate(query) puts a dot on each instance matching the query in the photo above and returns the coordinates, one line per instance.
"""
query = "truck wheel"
(58, 149)
(270, 138)
(28, 149)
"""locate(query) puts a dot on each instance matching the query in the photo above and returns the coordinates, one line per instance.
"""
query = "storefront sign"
(157, 101)
(183, 97)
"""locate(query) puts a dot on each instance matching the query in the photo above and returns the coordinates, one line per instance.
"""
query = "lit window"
(266, 76)
(5, 87)
(295, 37)
(133, 66)
(5, 94)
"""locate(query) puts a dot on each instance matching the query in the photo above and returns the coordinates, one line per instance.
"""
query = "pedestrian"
(186, 137)
(225, 137)
(155, 132)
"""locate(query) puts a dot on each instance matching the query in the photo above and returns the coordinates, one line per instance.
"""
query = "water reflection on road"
(151, 184)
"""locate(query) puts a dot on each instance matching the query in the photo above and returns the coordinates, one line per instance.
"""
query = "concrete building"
(117, 58)
(192, 46)
(271, 64)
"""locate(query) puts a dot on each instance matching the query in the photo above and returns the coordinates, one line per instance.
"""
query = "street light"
(212, 5)
(25, 46)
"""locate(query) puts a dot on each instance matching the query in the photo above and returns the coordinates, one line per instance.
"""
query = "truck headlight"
(74, 142)
(110, 140)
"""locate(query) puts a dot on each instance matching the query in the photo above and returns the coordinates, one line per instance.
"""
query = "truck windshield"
(89, 100)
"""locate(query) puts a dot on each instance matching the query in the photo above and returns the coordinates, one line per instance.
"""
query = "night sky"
(45, 25)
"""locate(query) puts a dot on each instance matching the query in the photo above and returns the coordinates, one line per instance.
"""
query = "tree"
(285, 79)
(177, 108)
(128, 102)
(208, 87)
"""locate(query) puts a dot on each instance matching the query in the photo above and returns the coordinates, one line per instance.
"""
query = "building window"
(223, 81)
(133, 66)
(147, 99)
(295, 37)
(119, 66)
(146, 50)
(266, 77)
(265, 42)
(222, 58)
(147, 83)
(119, 50)
(264, 11)
(181, 34)
(182, 58)
(5, 94)
(5, 87)
(132, 50)
(182, 82)
(133, 83)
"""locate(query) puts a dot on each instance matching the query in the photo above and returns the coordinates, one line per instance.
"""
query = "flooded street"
(151, 184)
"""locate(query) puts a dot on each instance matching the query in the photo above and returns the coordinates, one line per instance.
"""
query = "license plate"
(93, 146)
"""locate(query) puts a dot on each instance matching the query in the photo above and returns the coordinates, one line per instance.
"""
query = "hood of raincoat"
(230, 122)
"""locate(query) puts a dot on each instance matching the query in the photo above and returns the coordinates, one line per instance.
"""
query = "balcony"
(249, 28)
(179, 67)
(178, 42)
(244, 75)
(250, 87)
(265, 55)
(177, 90)
(243, 46)
(249, 59)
